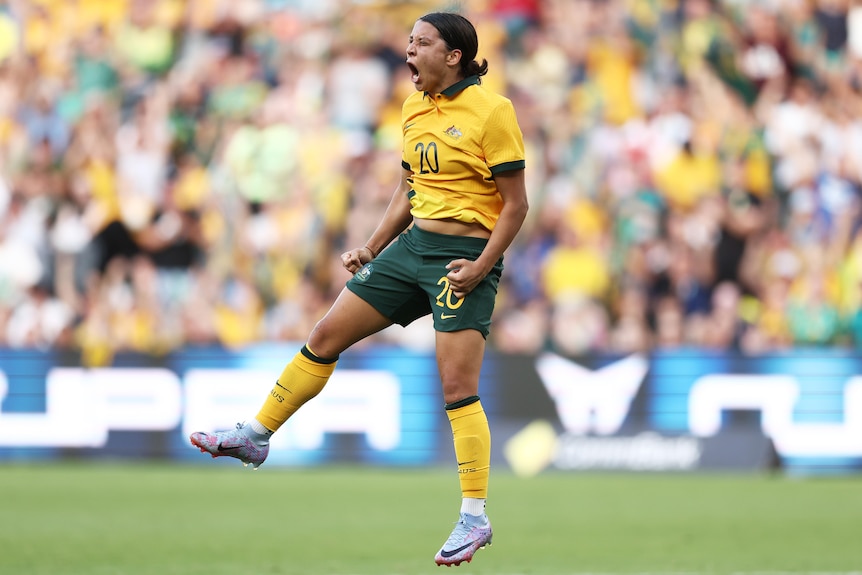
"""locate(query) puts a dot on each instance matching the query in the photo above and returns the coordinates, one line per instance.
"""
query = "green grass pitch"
(162, 519)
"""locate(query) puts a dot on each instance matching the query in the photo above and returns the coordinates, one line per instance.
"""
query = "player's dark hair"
(459, 34)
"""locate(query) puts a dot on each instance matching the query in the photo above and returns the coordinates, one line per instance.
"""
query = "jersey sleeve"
(502, 141)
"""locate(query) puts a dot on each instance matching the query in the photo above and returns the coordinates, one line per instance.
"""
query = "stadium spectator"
(216, 138)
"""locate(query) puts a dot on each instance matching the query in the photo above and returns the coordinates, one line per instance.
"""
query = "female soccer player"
(460, 202)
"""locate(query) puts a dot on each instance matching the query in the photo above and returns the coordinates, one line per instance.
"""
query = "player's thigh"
(349, 320)
(459, 361)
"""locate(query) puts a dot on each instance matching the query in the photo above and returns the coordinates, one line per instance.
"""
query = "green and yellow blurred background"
(672, 378)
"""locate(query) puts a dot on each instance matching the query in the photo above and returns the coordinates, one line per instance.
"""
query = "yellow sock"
(472, 438)
(301, 380)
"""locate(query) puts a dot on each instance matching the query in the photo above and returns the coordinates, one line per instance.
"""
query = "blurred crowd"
(187, 172)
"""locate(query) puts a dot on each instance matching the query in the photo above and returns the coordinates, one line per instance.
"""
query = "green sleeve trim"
(462, 403)
(406, 166)
(508, 167)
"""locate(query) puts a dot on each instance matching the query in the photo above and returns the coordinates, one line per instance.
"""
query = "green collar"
(459, 85)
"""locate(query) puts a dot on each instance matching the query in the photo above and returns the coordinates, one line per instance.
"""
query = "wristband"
(373, 255)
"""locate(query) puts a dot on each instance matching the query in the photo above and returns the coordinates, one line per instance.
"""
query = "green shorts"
(408, 281)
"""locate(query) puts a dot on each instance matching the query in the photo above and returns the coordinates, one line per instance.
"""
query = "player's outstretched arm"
(395, 220)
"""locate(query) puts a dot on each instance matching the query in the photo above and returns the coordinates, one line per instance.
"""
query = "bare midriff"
(451, 227)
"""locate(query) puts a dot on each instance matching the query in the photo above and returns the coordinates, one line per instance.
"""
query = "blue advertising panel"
(695, 409)
(382, 407)
(808, 402)
(671, 411)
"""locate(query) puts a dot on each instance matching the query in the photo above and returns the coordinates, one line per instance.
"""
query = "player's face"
(433, 67)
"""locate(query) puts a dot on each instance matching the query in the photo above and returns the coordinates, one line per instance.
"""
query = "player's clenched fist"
(355, 259)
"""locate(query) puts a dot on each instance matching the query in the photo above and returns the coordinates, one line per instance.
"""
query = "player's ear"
(453, 58)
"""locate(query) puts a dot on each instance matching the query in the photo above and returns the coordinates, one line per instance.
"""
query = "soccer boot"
(236, 443)
(471, 533)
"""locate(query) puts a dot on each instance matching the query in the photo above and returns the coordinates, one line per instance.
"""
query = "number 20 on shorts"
(446, 298)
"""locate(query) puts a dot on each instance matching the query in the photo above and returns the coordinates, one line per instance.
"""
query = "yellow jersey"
(455, 142)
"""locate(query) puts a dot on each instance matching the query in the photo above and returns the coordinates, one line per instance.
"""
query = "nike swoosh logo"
(444, 316)
(467, 462)
(408, 126)
(447, 554)
(227, 448)
(282, 387)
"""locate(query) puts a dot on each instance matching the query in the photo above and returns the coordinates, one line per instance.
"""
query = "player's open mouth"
(414, 72)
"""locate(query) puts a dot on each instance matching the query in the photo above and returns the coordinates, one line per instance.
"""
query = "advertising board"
(671, 411)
